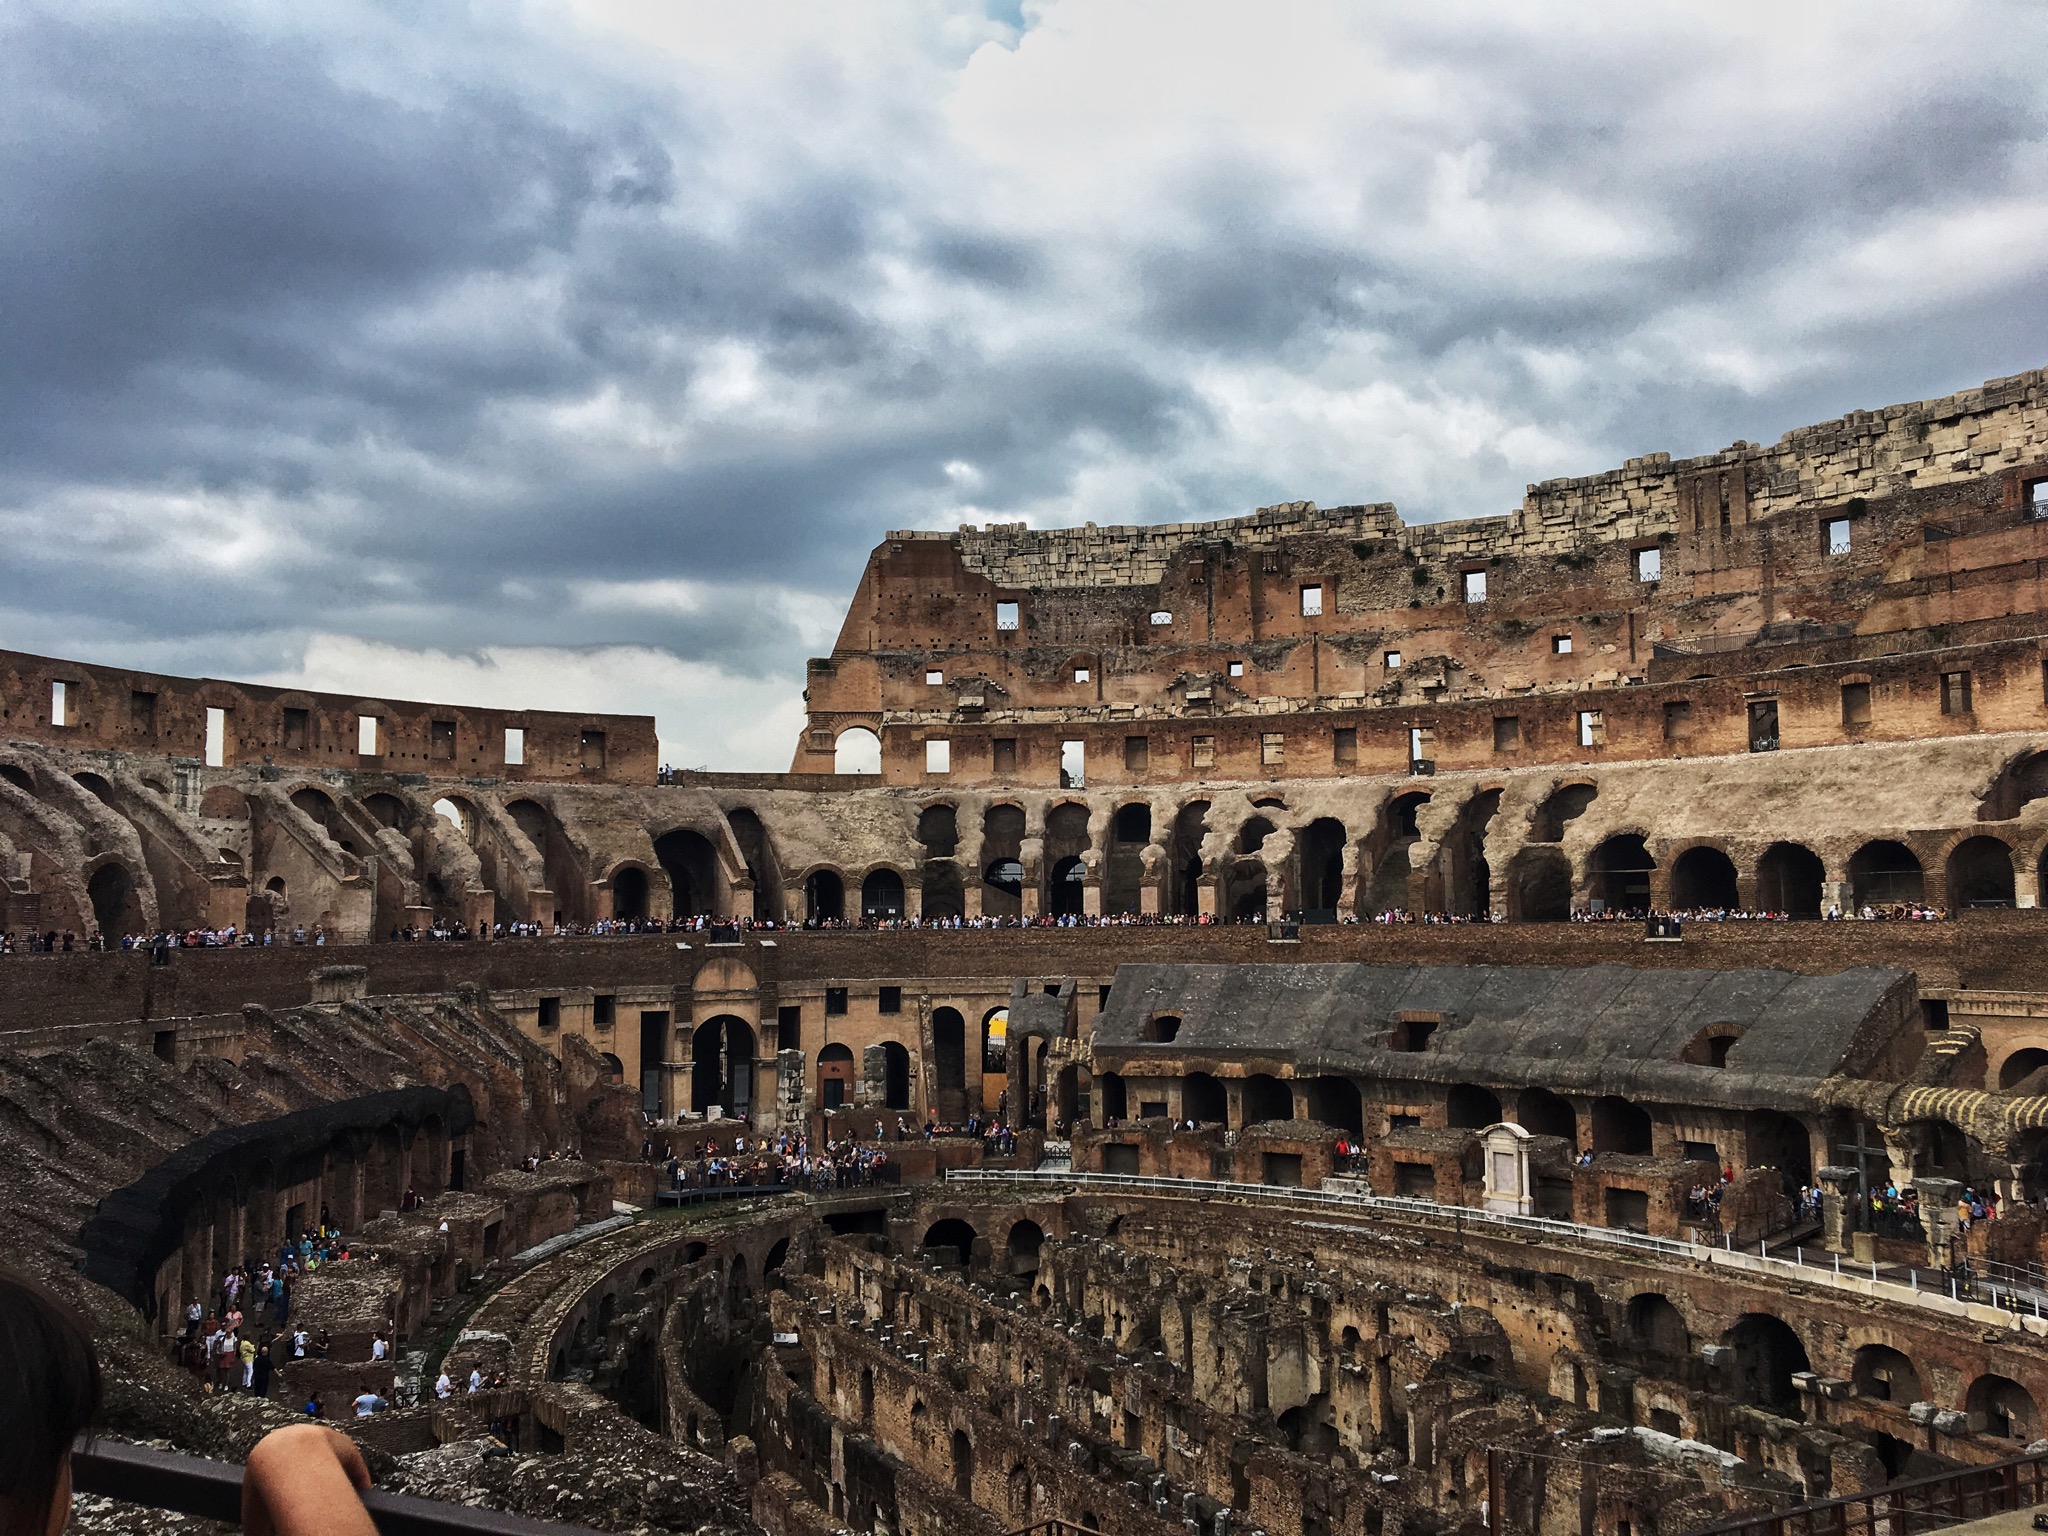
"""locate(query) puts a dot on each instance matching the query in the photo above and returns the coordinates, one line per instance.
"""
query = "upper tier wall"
(157, 715)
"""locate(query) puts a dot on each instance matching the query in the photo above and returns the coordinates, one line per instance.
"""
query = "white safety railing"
(1940, 1290)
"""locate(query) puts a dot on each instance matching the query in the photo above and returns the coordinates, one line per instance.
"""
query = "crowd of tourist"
(790, 1160)
(225, 1345)
(1898, 912)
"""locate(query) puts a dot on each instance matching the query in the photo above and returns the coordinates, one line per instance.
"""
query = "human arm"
(304, 1480)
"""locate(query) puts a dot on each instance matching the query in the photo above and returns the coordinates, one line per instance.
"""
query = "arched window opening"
(1470, 1107)
(1619, 1126)
(1788, 879)
(1703, 880)
(857, 750)
(1980, 874)
(1885, 873)
(1267, 1098)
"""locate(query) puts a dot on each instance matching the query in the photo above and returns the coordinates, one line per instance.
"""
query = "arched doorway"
(1788, 880)
(895, 1075)
(1321, 855)
(949, 1061)
(881, 895)
(1885, 873)
(835, 1077)
(1543, 1113)
(1469, 1107)
(1540, 886)
(825, 897)
(691, 864)
(722, 1065)
(1980, 874)
(1768, 1354)
(1703, 880)
(1068, 883)
(114, 908)
(1267, 1098)
(1618, 874)
(1619, 1126)
(629, 892)
(951, 1241)
(1203, 1100)
(857, 750)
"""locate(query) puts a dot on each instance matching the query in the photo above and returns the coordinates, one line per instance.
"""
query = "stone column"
(1938, 1218)
(1838, 1207)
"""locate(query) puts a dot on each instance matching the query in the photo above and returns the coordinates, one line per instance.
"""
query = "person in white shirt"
(379, 1349)
(368, 1403)
(476, 1379)
(444, 1387)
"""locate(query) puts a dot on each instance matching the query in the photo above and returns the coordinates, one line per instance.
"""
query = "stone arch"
(1336, 1102)
(1564, 804)
(1885, 872)
(1657, 1327)
(1002, 856)
(881, 895)
(1021, 1247)
(758, 855)
(1777, 1140)
(1980, 873)
(1619, 1126)
(963, 1464)
(221, 802)
(1618, 873)
(1469, 1107)
(1703, 879)
(1883, 1373)
(629, 892)
(857, 750)
(949, 1057)
(2000, 1407)
(1184, 858)
(2021, 782)
(1267, 1098)
(1539, 886)
(1320, 852)
(1203, 1099)
(1066, 886)
(835, 1076)
(722, 1064)
(1768, 1354)
(1710, 1047)
(951, 1235)
(389, 810)
(1789, 879)
(895, 1075)
(116, 905)
(19, 777)
(1467, 878)
(1543, 1113)
(824, 896)
(2021, 1065)
(691, 863)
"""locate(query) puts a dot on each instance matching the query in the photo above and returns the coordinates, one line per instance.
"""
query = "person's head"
(49, 1391)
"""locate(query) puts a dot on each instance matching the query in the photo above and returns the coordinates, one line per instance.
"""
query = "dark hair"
(49, 1391)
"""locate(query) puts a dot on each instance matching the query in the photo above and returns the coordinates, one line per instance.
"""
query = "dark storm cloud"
(490, 329)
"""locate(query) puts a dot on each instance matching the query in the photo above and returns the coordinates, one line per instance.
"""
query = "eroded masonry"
(1273, 1112)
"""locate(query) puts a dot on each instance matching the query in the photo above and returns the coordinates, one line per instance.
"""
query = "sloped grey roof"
(1610, 1027)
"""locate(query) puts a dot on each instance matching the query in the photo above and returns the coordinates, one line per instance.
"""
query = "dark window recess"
(142, 713)
(1955, 693)
(1345, 743)
(789, 1027)
(441, 742)
(592, 750)
(1855, 703)
(1763, 725)
(604, 1009)
(1701, 1152)
(297, 727)
(1678, 720)
(551, 1013)
(1003, 754)
(1101, 997)
(1413, 1034)
(891, 1000)
(1507, 733)
(1137, 753)
(1403, 1122)
(835, 1001)
(1934, 1012)
(1150, 1109)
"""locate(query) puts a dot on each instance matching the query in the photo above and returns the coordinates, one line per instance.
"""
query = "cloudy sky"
(575, 354)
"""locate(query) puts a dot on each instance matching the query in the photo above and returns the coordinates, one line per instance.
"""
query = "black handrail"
(212, 1490)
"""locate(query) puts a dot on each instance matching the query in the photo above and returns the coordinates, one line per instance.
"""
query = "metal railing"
(1834, 1271)
(212, 1490)
(1905, 1509)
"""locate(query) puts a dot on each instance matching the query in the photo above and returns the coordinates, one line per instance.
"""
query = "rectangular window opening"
(1073, 764)
(551, 1013)
(1834, 535)
(2036, 495)
(890, 1000)
(1272, 748)
(1082, 674)
(1507, 733)
(1344, 743)
(1650, 564)
(933, 677)
(1311, 602)
(1137, 753)
(1393, 660)
(1592, 728)
(1006, 616)
(1955, 693)
(441, 741)
(515, 746)
(1560, 645)
(1763, 725)
(604, 1010)
(1855, 703)
(1678, 720)
(1236, 669)
(789, 1027)
(1421, 748)
(366, 736)
(1003, 754)
(835, 1002)
(1473, 585)
(1202, 752)
(216, 738)
(298, 728)
(590, 750)
(142, 713)
(938, 755)
(60, 703)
